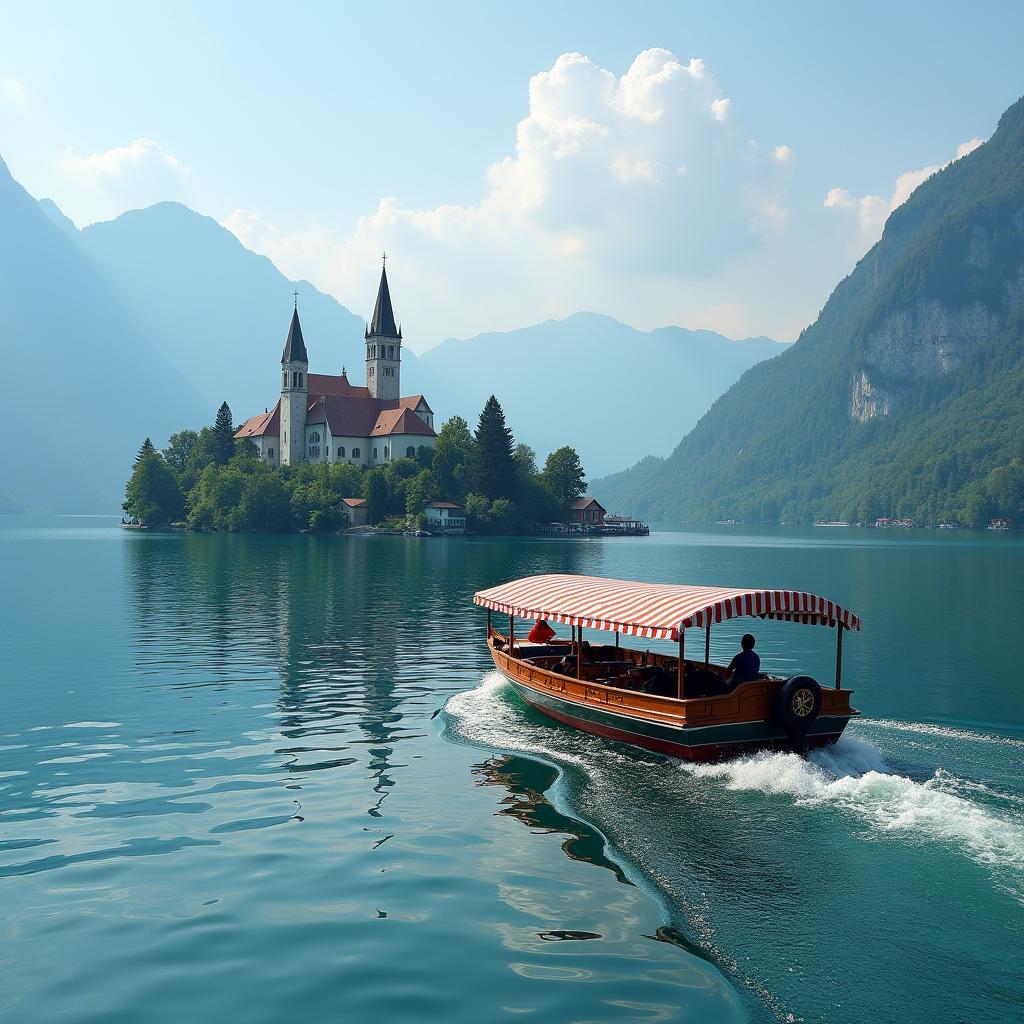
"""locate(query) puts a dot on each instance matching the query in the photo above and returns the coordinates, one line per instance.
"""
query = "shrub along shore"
(207, 480)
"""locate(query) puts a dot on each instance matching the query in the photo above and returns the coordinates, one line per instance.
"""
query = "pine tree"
(492, 469)
(145, 449)
(223, 436)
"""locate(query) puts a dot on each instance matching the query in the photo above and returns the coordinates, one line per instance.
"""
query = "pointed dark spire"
(383, 322)
(295, 347)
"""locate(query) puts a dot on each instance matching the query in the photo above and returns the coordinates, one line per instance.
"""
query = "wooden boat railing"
(750, 701)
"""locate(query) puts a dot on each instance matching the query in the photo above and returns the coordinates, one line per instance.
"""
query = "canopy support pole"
(839, 655)
(616, 641)
(511, 636)
(488, 621)
(681, 687)
(707, 643)
(579, 652)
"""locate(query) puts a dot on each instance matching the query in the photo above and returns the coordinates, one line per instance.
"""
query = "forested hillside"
(904, 398)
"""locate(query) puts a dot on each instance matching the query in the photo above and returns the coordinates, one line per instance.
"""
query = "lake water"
(274, 778)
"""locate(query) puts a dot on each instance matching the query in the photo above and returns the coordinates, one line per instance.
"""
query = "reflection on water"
(224, 792)
(526, 782)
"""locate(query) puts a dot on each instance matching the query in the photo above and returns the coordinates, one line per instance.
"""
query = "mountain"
(612, 392)
(84, 382)
(904, 398)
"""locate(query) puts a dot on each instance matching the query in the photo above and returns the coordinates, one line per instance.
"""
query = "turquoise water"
(273, 778)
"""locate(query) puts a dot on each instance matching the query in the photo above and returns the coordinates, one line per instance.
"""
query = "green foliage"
(243, 494)
(492, 470)
(782, 444)
(563, 476)
(146, 448)
(223, 436)
(152, 494)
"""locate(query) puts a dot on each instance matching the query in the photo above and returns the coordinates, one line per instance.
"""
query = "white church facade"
(324, 418)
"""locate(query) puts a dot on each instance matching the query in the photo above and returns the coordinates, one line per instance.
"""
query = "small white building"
(324, 418)
(445, 517)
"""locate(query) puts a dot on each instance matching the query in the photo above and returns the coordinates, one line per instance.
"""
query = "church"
(323, 418)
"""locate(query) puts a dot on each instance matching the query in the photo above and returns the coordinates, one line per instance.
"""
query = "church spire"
(383, 322)
(295, 347)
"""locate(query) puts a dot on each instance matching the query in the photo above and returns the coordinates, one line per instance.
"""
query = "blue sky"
(732, 191)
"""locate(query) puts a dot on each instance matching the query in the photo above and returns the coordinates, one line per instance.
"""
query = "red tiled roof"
(348, 411)
(581, 503)
(400, 421)
(442, 504)
(266, 424)
(325, 384)
(353, 502)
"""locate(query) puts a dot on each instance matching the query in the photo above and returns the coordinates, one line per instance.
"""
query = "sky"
(719, 165)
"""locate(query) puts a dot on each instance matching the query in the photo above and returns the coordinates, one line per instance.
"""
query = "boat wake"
(854, 776)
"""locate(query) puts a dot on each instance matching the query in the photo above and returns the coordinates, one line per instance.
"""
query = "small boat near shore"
(605, 689)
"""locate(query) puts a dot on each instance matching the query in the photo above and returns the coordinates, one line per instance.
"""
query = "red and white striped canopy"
(657, 611)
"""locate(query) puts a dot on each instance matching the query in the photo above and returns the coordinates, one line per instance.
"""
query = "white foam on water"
(945, 731)
(853, 775)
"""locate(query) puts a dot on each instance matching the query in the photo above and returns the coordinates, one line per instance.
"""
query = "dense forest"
(903, 399)
(209, 481)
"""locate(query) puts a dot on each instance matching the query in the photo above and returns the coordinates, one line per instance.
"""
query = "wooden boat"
(601, 688)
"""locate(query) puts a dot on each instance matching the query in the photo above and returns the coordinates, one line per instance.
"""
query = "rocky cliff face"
(929, 338)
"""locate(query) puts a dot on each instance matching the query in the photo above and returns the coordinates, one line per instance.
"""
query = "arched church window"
(391, 351)
(284, 379)
(375, 453)
(341, 453)
(355, 453)
(314, 438)
(410, 451)
(369, 372)
(270, 453)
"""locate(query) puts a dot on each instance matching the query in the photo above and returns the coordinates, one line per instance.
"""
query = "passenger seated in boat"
(746, 665)
(567, 666)
(541, 633)
(659, 681)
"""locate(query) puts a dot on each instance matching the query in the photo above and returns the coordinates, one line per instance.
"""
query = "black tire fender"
(797, 706)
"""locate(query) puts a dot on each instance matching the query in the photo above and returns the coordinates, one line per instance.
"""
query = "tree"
(563, 476)
(180, 447)
(375, 491)
(422, 489)
(223, 436)
(264, 506)
(152, 495)
(146, 448)
(525, 459)
(452, 457)
(492, 471)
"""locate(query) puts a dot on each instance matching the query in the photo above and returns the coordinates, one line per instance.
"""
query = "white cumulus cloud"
(612, 180)
(869, 213)
(126, 177)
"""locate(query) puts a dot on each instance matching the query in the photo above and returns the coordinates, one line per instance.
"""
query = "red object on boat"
(541, 633)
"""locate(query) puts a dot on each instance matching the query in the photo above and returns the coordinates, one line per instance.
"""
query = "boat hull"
(687, 742)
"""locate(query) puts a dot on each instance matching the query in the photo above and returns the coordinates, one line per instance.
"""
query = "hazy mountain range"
(144, 324)
(905, 397)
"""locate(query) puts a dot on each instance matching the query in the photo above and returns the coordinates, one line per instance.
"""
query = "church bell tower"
(383, 346)
(294, 393)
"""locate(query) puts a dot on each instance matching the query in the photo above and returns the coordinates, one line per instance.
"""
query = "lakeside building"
(445, 517)
(586, 511)
(324, 418)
